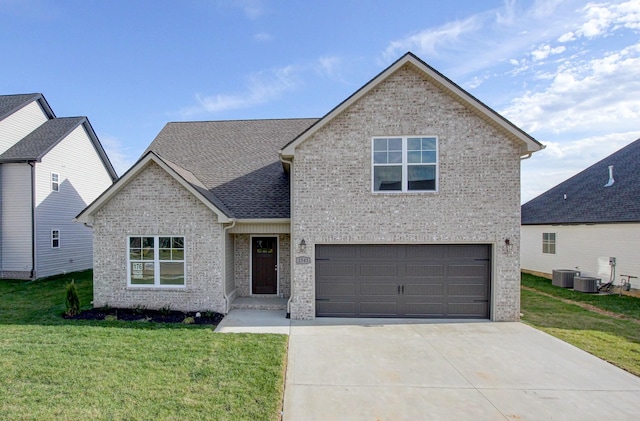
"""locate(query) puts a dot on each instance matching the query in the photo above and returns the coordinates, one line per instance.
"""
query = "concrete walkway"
(387, 369)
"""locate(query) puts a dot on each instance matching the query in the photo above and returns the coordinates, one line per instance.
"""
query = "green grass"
(624, 305)
(612, 339)
(52, 368)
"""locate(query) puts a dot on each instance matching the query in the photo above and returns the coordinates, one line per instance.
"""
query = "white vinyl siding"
(19, 124)
(16, 217)
(585, 247)
(82, 178)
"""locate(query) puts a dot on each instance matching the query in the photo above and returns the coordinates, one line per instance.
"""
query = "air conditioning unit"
(564, 277)
(585, 284)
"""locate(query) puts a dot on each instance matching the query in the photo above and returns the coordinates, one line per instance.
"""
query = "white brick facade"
(477, 202)
(153, 203)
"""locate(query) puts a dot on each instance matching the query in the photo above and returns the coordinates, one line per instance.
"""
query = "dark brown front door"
(264, 261)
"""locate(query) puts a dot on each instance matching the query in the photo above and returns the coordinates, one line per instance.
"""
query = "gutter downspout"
(33, 218)
(291, 242)
(227, 303)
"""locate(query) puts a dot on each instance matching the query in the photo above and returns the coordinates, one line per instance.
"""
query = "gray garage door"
(448, 281)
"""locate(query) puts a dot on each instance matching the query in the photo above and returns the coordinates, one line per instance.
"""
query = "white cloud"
(545, 51)
(602, 19)
(430, 41)
(261, 88)
(253, 9)
(263, 37)
(585, 94)
(119, 155)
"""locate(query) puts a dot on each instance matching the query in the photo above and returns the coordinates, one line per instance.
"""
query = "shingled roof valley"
(236, 160)
(584, 198)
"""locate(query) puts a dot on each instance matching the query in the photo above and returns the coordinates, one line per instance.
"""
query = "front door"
(264, 265)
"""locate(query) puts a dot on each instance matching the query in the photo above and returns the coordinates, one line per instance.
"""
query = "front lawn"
(609, 326)
(53, 368)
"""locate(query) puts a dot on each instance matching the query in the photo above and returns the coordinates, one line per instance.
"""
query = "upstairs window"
(55, 239)
(549, 242)
(405, 164)
(55, 185)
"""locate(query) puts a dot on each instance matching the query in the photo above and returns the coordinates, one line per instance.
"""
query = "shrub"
(72, 300)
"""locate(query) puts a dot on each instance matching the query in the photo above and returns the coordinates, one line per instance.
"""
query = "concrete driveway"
(384, 369)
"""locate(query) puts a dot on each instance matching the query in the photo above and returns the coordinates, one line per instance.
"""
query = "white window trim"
(156, 263)
(52, 238)
(548, 243)
(57, 182)
(405, 165)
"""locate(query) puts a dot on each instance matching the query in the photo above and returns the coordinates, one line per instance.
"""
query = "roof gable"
(584, 198)
(528, 143)
(9, 104)
(181, 175)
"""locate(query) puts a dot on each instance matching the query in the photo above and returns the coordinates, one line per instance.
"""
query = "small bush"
(189, 320)
(72, 300)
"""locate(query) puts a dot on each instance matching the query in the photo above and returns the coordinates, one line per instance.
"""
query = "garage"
(428, 281)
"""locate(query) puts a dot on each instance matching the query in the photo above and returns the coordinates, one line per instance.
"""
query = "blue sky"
(565, 71)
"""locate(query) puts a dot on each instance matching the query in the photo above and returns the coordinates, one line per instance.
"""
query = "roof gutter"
(227, 300)
(288, 164)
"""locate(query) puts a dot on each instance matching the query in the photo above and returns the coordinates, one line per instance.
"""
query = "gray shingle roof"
(10, 103)
(236, 160)
(587, 200)
(37, 143)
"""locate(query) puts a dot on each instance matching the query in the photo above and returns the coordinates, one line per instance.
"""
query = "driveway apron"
(383, 369)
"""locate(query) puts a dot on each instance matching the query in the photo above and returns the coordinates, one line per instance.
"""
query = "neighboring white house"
(582, 222)
(50, 169)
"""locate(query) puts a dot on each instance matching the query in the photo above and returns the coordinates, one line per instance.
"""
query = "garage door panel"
(378, 309)
(479, 271)
(337, 269)
(424, 310)
(379, 252)
(422, 253)
(375, 270)
(403, 280)
(337, 289)
(370, 288)
(424, 290)
(336, 308)
(425, 270)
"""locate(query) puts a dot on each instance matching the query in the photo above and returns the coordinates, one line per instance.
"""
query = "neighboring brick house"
(587, 219)
(50, 169)
(403, 201)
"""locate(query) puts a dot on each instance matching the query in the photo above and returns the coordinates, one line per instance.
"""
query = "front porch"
(259, 303)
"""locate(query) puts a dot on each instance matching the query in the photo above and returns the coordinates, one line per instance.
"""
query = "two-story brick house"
(403, 201)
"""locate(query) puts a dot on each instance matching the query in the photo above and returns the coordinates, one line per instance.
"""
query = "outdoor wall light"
(303, 245)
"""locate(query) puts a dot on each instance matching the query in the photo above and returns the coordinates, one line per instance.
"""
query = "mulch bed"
(144, 315)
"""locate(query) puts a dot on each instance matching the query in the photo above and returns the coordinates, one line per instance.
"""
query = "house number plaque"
(303, 260)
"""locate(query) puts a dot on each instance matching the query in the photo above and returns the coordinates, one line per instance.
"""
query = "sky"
(565, 71)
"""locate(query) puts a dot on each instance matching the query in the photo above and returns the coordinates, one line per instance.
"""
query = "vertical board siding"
(585, 247)
(82, 178)
(19, 124)
(16, 217)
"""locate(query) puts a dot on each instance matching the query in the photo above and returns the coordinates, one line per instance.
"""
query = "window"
(156, 261)
(405, 164)
(55, 239)
(549, 242)
(55, 185)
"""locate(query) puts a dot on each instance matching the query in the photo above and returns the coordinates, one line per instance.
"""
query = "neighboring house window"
(405, 164)
(549, 242)
(55, 239)
(156, 260)
(55, 184)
